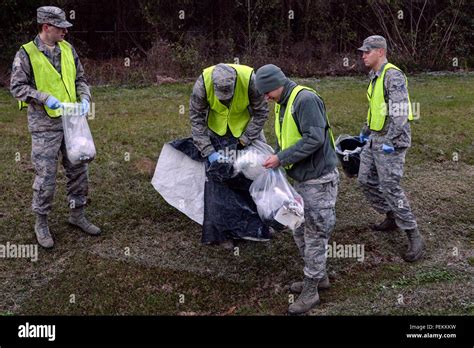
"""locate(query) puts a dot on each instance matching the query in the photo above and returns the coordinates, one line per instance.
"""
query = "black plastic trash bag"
(229, 210)
(348, 149)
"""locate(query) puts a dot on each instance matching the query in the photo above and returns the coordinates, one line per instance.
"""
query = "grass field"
(149, 259)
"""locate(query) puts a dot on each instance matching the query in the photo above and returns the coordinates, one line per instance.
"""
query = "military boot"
(415, 245)
(42, 232)
(227, 244)
(387, 225)
(77, 218)
(297, 287)
(308, 299)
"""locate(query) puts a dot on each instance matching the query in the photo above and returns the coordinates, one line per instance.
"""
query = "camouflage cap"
(52, 15)
(223, 78)
(374, 41)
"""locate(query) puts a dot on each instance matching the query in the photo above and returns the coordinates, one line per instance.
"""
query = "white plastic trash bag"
(277, 200)
(250, 160)
(80, 146)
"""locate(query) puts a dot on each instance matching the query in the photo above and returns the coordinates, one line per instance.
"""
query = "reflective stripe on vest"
(49, 80)
(237, 117)
(377, 106)
(287, 131)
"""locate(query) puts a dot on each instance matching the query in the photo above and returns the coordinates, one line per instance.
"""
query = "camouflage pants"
(45, 149)
(379, 176)
(311, 238)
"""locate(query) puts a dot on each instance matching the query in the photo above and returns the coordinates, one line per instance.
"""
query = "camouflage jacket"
(23, 87)
(396, 130)
(199, 108)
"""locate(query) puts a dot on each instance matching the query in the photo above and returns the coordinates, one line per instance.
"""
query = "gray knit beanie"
(268, 78)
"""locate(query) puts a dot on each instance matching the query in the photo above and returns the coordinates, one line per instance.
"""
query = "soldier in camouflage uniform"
(47, 132)
(310, 159)
(224, 77)
(226, 103)
(383, 156)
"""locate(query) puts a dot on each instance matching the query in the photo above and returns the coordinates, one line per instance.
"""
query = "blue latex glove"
(85, 107)
(388, 148)
(53, 103)
(363, 138)
(213, 157)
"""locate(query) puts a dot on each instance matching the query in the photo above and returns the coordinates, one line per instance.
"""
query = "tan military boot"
(308, 299)
(227, 244)
(387, 225)
(297, 287)
(415, 245)
(42, 232)
(77, 218)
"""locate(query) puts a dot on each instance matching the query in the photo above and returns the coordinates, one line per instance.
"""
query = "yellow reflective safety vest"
(377, 112)
(287, 132)
(49, 80)
(237, 116)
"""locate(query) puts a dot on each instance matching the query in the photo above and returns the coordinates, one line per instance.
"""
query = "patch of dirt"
(145, 166)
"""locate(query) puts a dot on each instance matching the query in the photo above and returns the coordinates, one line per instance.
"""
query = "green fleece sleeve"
(309, 115)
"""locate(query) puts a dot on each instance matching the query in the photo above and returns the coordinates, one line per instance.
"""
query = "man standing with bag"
(47, 72)
(388, 137)
(306, 150)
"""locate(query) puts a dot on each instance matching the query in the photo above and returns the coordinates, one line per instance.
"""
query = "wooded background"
(145, 41)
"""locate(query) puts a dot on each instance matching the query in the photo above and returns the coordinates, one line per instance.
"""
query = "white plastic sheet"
(180, 181)
(80, 146)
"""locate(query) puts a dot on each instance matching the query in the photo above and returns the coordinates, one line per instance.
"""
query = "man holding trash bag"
(47, 72)
(306, 150)
(225, 106)
(388, 136)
